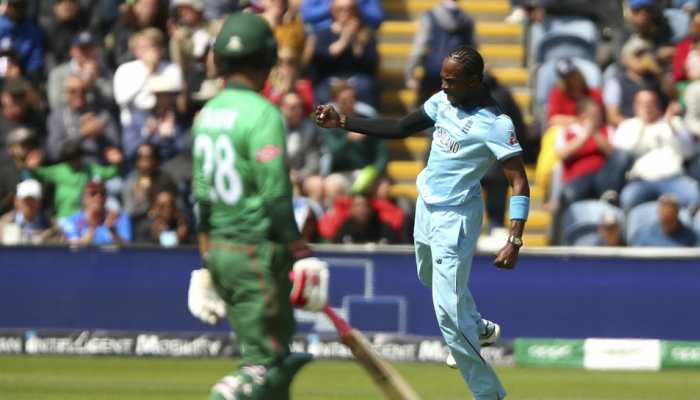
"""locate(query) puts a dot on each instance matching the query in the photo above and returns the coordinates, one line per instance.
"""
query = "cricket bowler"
(248, 238)
(471, 134)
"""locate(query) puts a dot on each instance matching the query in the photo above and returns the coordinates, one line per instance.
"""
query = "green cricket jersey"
(240, 177)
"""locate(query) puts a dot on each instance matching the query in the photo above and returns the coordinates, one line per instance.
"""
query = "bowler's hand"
(507, 257)
(327, 117)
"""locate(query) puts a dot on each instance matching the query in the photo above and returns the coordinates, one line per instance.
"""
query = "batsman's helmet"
(245, 39)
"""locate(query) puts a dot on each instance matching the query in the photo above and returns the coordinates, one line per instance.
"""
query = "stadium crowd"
(97, 100)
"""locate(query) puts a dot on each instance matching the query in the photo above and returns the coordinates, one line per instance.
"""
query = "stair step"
(535, 239)
(404, 170)
(474, 7)
(537, 220)
(408, 29)
(415, 146)
(512, 52)
(509, 76)
(407, 190)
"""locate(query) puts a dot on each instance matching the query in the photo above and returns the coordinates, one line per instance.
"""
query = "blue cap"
(637, 4)
(84, 38)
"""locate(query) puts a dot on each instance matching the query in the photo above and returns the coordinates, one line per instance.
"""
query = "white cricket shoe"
(491, 336)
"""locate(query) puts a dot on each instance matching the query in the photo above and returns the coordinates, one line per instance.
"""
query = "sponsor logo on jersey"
(267, 153)
(512, 140)
(443, 139)
(467, 126)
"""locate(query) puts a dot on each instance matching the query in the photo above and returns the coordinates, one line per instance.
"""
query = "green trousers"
(253, 280)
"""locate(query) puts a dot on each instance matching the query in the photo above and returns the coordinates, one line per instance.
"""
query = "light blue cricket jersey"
(465, 145)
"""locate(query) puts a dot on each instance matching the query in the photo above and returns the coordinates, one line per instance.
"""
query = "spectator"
(649, 23)
(133, 92)
(89, 123)
(564, 98)
(668, 231)
(66, 21)
(283, 17)
(165, 224)
(189, 36)
(364, 225)
(26, 36)
(27, 224)
(442, 28)
(285, 77)
(16, 99)
(134, 17)
(216, 9)
(22, 153)
(692, 123)
(391, 211)
(144, 182)
(641, 70)
(10, 63)
(306, 214)
(655, 147)
(337, 201)
(318, 13)
(583, 148)
(609, 231)
(685, 46)
(97, 223)
(345, 50)
(352, 153)
(70, 176)
(85, 63)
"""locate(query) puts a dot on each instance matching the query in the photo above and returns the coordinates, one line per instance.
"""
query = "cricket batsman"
(471, 134)
(248, 238)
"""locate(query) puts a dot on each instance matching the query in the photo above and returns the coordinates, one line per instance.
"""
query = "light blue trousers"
(445, 240)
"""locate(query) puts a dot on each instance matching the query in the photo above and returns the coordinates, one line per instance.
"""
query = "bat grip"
(340, 324)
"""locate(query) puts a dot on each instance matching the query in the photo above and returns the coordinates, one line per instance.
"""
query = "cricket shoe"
(492, 333)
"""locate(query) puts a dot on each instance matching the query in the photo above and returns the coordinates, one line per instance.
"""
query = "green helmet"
(246, 36)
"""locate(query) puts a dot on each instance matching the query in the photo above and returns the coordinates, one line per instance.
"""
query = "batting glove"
(202, 299)
(310, 284)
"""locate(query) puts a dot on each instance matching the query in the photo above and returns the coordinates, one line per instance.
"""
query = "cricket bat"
(382, 373)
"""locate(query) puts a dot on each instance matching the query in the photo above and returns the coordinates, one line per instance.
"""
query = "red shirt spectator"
(572, 87)
(684, 47)
(561, 104)
(588, 159)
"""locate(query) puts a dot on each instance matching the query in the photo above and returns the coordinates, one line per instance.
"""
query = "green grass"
(54, 378)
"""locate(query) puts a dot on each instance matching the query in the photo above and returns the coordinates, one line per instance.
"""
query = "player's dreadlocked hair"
(471, 60)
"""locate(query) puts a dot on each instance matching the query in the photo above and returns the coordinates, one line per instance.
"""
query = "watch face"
(516, 241)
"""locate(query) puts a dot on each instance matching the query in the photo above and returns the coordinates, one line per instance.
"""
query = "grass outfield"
(106, 378)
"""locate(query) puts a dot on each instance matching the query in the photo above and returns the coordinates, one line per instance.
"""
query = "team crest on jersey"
(267, 153)
(467, 126)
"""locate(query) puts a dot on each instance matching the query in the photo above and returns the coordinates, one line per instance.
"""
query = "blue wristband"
(519, 207)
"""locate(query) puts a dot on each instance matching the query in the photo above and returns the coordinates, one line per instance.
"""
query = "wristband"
(519, 207)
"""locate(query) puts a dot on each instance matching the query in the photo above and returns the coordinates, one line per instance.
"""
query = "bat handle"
(340, 324)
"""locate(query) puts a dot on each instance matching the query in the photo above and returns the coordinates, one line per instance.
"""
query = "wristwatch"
(515, 241)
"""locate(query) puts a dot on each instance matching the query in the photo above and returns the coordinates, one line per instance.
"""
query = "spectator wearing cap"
(10, 63)
(144, 182)
(85, 62)
(346, 50)
(134, 17)
(656, 147)
(89, 123)
(70, 176)
(97, 222)
(641, 71)
(668, 230)
(133, 91)
(26, 36)
(609, 231)
(21, 154)
(164, 224)
(66, 21)
(189, 34)
(583, 148)
(684, 47)
(319, 13)
(26, 223)
(571, 89)
(18, 100)
(162, 126)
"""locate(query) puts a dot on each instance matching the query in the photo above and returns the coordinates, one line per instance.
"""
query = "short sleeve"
(612, 93)
(501, 140)
(431, 105)
(70, 228)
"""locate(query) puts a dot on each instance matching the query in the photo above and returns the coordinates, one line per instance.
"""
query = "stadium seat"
(645, 214)
(678, 20)
(580, 221)
(696, 223)
(547, 78)
(553, 37)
